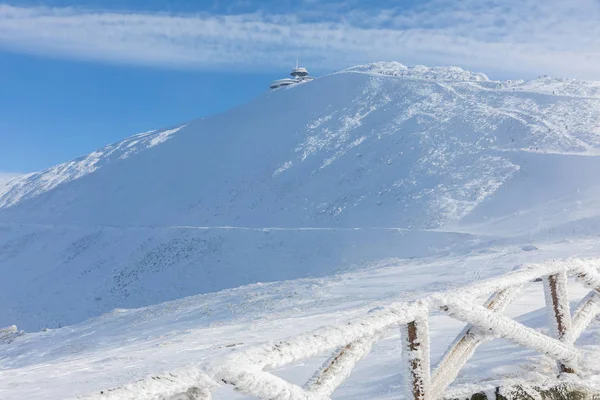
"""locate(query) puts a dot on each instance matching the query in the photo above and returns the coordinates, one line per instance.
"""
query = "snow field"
(354, 339)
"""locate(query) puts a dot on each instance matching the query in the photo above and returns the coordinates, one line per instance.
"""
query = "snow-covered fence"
(247, 370)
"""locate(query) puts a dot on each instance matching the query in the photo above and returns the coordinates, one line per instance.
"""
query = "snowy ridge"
(30, 185)
(393, 68)
(352, 341)
(547, 85)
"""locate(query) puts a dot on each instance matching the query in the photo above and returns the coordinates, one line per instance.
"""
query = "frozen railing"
(247, 370)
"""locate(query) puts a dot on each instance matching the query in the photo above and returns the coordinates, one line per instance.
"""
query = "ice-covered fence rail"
(504, 327)
(240, 368)
(328, 338)
(524, 274)
(352, 341)
(466, 343)
(587, 310)
(454, 303)
(339, 366)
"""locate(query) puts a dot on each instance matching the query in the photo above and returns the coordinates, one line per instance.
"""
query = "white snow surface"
(31, 185)
(6, 176)
(394, 68)
(380, 183)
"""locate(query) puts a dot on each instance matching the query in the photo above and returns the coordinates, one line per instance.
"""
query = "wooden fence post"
(557, 305)
(416, 353)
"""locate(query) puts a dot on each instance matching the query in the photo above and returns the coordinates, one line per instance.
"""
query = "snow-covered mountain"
(377, 161)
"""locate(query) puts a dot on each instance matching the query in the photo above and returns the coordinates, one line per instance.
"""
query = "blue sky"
(76, 75)
(52, 110)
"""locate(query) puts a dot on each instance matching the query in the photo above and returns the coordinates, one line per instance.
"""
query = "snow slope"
(116, 350)
(378, 161)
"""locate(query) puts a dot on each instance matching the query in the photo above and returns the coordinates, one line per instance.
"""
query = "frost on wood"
(557, 304)
(339, 367)
(308, 345)
(590, 305)
(587, 310)
(559, 314)
(416, 354)
(266, 386)
(466, 343)
(244, 369)
(504, 327)
(525, 274)
(590, 276)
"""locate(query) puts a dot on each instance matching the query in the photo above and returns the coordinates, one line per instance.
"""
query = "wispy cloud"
(512, 37)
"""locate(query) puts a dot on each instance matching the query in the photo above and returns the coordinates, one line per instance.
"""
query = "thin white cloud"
(527, 37)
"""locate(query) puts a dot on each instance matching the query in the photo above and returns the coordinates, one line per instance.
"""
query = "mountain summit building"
(299, 74)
